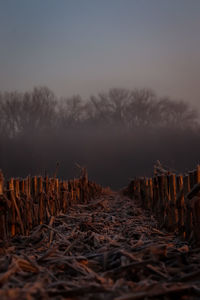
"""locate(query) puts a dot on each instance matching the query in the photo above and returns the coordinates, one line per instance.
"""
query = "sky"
(89, 46)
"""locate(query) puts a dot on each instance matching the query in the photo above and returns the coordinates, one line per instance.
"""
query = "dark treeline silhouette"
(116, 135)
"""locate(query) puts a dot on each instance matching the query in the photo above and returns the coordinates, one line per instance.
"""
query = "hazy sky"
(87, 46)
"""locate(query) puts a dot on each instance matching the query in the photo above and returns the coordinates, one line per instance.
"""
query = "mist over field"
(116, 135)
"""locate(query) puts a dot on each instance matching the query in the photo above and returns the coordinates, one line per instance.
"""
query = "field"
(76, 240)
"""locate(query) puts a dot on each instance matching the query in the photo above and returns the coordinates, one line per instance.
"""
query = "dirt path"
(109, 249)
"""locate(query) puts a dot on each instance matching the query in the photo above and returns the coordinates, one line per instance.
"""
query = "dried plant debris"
(107, 249)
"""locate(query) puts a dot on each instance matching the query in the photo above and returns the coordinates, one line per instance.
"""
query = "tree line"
(40, 110)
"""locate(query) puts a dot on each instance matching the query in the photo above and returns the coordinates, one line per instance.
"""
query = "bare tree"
(141, 110)
(70, 112)
(10, 113)
(178, 114)
(38, 110)
(110, 107)
(28, 112)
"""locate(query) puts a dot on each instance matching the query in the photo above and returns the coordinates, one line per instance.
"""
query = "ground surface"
(109, 249)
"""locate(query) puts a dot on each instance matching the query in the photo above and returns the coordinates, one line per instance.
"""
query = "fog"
(116, 135)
